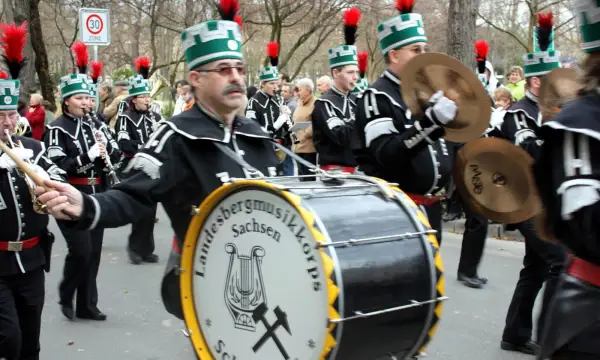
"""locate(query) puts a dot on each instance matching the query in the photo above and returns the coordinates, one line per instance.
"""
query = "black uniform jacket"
(134, 129)
(392, 145)
(568, 179)
(521, 124)
(333, 125)
(18, 221)
(265, 109)
(179, 166)
(69, 139)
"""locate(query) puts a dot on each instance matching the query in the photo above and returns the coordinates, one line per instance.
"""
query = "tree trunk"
(41, 56)
(462, 15)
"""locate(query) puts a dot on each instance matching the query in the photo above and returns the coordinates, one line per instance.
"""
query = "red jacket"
(36, 121)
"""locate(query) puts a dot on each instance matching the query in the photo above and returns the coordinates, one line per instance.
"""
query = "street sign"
(94, 26)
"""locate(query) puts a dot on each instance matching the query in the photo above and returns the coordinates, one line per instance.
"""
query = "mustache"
(233, 88)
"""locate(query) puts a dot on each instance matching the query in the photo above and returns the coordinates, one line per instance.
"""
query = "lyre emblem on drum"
(244, 287)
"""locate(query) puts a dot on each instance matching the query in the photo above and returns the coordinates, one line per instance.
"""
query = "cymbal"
(428, 73)
(495, 178)
(558, 88)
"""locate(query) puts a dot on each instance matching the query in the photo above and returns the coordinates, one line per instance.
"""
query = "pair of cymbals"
(428, 73)
(557, 89)
(494, 177)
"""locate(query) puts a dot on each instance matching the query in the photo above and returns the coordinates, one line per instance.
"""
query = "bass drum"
(283, 269)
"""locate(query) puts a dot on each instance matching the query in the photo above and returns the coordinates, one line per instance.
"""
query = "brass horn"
(558, 88)
(428, 73)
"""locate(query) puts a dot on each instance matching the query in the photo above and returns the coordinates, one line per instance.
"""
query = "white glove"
(286, 110)
(441, 110)
(282, 119)
(94, 152)
(7, 163)
(38, 170)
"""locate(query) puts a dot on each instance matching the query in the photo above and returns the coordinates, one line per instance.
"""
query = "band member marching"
(567, 176)
(362, 84)
(333, 115)
(25, 243)
(543, 261)
(391, 144)
(193, 153)
(80, 148)
(134, 128)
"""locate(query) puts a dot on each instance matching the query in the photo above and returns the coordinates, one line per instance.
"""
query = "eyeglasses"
(10, 116)
(227, 70)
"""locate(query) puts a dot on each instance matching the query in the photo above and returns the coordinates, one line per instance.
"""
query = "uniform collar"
(338, 92)
(531, 97)
(388, 74)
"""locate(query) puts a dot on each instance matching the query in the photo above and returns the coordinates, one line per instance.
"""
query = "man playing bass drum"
(390, 144)
(567, 174)
(134, 127)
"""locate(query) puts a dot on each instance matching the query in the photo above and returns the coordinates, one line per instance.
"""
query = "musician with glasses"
(134, 127)
(25, 243)
(190, 155)
(390, 143)
(567, 174)
(78, 145)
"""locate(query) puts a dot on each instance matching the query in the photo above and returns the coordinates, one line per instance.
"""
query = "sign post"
(94, 27)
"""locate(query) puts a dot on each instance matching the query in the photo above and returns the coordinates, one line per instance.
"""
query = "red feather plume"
(545, 20)
(544, 30)
(82, 58)
(405, 6)
(481, 52)
(238, 19)
(351, 17)
(228, 9)
(142, 66)
(363, 58)
(273, 52)
(3, 75)
(13, 40)
(96, 70)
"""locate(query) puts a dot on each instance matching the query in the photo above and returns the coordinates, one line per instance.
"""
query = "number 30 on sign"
(94, 25)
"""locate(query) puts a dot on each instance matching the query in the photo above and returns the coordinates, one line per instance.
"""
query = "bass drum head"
(254, 285)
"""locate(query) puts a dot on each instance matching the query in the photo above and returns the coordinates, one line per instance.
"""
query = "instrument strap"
(238, 159)
(289, 152)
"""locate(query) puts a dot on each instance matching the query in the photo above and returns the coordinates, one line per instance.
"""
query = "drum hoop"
(422, 219)
(189, 249)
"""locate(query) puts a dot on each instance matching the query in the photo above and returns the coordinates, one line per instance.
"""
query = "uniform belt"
(17, 246)
(346, 169)
(584, 270)
(84, 181)
(426, 200)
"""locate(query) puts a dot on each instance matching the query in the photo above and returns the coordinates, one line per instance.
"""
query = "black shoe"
(472, 282)
(92, 315)
(451, 216)
(529, 347)
(152, 258)
(135, 258)
(482, 279)
(68, 312)
(155, 220)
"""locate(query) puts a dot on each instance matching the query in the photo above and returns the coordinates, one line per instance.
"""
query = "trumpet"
(98, 136)
(38, 207)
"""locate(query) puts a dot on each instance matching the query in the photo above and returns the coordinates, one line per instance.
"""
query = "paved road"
(138, 327)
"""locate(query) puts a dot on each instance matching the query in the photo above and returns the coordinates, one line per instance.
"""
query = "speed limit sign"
(94, 26)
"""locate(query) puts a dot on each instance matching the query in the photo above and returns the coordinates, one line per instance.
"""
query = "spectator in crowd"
(503, 99)
(187, 96)
(287, 93)
(251, 91)
(49, 114)
(180, 102)
(121, 93)
(284, 78)
(36, 115)
(304, 146)
(21, 107)
(106, 96)
(323, 84)
(516, 82)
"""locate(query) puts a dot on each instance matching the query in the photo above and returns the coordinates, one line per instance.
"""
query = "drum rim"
(191, 241)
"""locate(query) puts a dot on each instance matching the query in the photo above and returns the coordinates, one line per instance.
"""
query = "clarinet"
(155, 124)
(112, 174)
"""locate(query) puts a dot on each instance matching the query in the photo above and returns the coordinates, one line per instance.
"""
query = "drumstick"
(22, 165)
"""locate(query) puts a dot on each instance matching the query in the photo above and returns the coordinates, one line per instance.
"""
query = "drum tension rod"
(376, 239)
(413, 303)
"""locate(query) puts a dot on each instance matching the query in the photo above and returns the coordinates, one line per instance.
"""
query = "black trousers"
(434, 214)
(473, 242)
(21, 304)
(303, 170)
(81, 268)
(543, 262)
(141, 239)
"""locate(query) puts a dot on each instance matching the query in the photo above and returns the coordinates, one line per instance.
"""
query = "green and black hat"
(76, 83)
(139, 84)
(362, 84)
(13, 40)
(215, 39)
(544, 58)
(94, 77)
(270, 72)
(346, 54)
(589, 24)
(401, 30)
